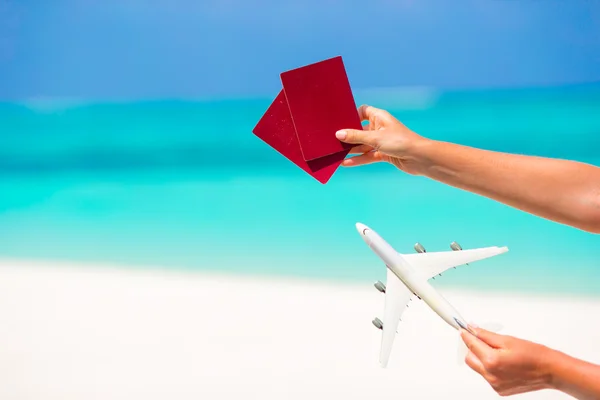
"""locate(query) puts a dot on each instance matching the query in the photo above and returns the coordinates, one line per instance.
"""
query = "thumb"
(356, 136)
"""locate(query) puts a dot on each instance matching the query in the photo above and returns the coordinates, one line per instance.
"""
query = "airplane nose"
(361, 228)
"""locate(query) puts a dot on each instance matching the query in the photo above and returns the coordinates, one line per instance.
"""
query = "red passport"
(321, 103)
(316, 101)
(276, 129)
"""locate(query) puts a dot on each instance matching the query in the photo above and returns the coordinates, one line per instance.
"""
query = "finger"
(476, 346)
(492, 339)
(358, 136)
(371, 114)
(360, 149)
(367, 158)
(364, 111)
(368, 113)
(474, 363)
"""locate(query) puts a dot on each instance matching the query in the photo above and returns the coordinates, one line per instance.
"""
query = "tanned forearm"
(574, 377)
(564, 191)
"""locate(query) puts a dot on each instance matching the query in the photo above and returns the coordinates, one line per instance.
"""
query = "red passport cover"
(276, 129)
(321, 103)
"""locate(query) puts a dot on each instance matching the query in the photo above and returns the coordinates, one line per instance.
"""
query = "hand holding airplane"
(408, 275)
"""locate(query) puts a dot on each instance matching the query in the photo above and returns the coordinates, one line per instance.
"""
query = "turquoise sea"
(185, 184)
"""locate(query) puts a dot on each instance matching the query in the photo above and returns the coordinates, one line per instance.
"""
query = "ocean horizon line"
(402, 90)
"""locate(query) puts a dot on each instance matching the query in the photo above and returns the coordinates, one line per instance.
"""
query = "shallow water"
(180, 184)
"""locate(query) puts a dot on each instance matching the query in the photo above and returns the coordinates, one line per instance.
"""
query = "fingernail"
(340, 135)
(473, 325)
(473, 328)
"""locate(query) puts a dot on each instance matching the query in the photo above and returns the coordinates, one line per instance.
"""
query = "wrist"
(552, 366)
(421, 155)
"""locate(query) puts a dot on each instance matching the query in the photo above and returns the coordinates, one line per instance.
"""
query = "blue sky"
(98, 49)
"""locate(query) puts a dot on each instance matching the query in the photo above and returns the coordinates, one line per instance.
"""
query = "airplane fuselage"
(420, 287)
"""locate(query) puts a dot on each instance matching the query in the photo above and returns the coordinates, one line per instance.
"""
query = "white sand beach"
(101, 332)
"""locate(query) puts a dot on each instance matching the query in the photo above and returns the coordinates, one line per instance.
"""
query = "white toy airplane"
(408, 275)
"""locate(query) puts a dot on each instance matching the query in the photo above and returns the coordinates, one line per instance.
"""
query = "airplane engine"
(455, 246)
(379, 286)
(419, 248)
(378, 324)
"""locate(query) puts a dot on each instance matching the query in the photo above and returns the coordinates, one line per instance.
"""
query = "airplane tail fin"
(462, 350)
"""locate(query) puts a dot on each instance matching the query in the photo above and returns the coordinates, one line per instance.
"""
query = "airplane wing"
(397, 297)
(432, 264)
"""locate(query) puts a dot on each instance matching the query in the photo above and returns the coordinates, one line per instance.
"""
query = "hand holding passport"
(316, 101)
